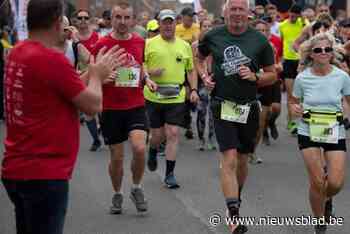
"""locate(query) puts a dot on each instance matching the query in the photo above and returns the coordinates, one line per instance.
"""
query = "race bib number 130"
(128, 77)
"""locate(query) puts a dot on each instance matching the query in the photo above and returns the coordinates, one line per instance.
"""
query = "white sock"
(135, 186)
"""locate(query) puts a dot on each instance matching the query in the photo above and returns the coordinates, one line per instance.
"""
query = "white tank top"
(69, 53)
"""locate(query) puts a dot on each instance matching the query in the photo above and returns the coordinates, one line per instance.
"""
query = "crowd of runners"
(142, 79)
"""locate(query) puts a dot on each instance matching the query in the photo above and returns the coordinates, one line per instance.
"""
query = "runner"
(239, 52)
(43, 94)
(202, 107)
(290, 30)
(107, 23)
(168, 59)
(189, 31)
(123, 115)
(317, 95)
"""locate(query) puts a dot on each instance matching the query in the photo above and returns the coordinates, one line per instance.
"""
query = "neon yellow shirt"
(290, 32)
(175, 58)
(188, 34)
(6, 44)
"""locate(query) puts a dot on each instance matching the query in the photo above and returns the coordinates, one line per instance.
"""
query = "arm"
(268, 77)
(89, 101)
(192, 78)
(303, 37)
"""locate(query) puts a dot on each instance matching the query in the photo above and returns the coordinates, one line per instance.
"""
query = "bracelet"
(193, 90)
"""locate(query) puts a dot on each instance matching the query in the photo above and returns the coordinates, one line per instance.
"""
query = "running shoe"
(211, 144)
(320, 229)
(328, 212)
(170, 181)
(266, 138)
(253, 159)
(292, 127)
(117, 202)
(152, 162)
(95, 146)
(138, 198)
(201, 145)
(234, 229)
(274, 131)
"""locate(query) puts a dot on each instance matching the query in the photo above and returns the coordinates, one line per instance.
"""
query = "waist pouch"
(168, 91)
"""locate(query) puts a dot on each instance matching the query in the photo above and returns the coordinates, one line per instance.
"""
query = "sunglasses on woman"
(83, 17)
(319, 50)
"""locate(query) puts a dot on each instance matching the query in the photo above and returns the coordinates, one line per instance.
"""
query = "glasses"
(319, 50)
(83, 17)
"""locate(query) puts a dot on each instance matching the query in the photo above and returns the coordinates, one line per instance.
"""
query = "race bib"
(324, 128)
(128, 77)
(168, 91)
(233, 112)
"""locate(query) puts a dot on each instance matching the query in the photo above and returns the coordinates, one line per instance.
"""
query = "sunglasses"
(319, 50)
(83, 17)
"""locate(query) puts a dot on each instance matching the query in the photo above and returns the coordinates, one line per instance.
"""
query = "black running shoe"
(189, 134)
(240, 229)
(328, 212)
(152, 162)
(274, 131)
(95, 146)
(266, 138)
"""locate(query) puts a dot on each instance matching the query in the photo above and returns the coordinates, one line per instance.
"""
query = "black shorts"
(265, 95)
(232, 135)
(276, 92)
(117, 124)
(290, 69)
(305, 142)
(160, 114)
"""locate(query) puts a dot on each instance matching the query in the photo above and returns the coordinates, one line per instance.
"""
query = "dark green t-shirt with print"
(229, 52)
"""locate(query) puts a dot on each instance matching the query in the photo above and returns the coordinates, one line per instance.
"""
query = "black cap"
(107, 14)
(188, 11)
(296, 9)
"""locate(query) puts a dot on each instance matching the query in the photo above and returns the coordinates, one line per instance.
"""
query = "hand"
(246, 74)
(208, 82)
(151, 85)
(156, 72)
(194, 98)
(106, 63)
(297, 110)
(74, 33)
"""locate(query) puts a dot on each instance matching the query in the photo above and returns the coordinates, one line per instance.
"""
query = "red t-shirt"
(278, 47)
(42, 123)
(124, 98)
(91, 42)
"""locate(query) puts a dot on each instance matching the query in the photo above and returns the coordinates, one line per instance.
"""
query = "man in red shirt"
(43, 94)
(123, 115)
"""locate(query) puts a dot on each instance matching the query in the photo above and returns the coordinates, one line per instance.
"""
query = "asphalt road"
(276, 188)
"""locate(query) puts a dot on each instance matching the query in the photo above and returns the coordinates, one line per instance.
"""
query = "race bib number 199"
(128, 77)
(233, 112)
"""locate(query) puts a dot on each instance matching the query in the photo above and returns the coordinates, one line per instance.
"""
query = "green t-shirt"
(231, 51)
(289, 33)
(175, 58)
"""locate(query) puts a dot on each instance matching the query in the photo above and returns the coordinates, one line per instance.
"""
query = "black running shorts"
(290, 69)
(232, 135)
(305, 142)
(117, 124)
(160, 114)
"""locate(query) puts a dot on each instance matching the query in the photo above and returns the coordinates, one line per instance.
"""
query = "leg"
(289, 88)
(336, 164)
(172, 137)
(137, 139)
(242, 172)
(12, 192)
(318, 184)
(116, 170)
(228, 173)
(91, 123)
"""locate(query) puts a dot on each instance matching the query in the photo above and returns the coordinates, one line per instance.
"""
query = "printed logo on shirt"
(233, 59)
